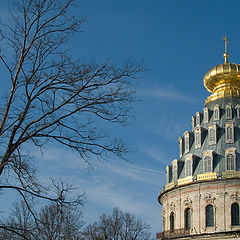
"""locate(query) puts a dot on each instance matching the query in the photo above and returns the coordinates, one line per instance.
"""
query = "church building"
(202, 194)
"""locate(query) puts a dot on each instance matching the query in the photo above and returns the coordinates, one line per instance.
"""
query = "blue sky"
(178, 40)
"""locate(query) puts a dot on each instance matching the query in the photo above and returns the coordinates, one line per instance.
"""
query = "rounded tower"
(202, 195)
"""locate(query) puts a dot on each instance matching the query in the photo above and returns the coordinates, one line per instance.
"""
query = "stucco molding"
(209, 198)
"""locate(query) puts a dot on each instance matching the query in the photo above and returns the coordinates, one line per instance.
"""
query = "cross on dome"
(226, 55)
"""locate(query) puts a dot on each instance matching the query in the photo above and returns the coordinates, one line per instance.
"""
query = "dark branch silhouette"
(54, 98)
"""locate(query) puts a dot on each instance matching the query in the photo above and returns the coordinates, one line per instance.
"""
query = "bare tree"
(17, 226)
(54, 98)
(117, 226)
(55, 222)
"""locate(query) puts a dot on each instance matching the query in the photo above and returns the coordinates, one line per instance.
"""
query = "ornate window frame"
(216, 112)
(229, 132)
(189, 165)
(209, 215)
(193, 122)
(230, 159)
(228, 111)
(205, 115)
(238, 111)
(198, 137)
(187, 218)
(169, 174)
(171, 221)
(212, 134)
(187, 141)
(207, 161)
(235, 220)
(198, 119)
(180, 144)
(174, 170)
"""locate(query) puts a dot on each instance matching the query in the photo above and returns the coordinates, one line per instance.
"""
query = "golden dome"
(223, 80)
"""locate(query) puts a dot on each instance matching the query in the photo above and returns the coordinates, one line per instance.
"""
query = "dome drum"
(201, 199)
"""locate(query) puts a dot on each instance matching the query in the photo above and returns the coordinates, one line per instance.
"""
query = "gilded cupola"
(223, 80)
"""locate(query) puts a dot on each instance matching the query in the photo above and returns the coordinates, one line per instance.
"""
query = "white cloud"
(156, 154)
(62, 159)
(111, 184)
(133, 171)
(163, 93)
(168, 128)
(107, 194)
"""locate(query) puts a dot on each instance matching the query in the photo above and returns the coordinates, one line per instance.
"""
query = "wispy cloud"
(109, 195)
(156, 154)
(168, 93)
(169, 128)
(131, 187)
(68, 160)
(133, 172)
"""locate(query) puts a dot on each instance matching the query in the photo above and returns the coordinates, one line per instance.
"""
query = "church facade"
(202, 195)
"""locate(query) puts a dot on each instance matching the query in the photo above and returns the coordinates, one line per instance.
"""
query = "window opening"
(175, 174)
(230, 161)
(228, 113)
(197, 138)
(229, 133)
(193, 123)
(172, 222)
(205, 115)
(216, 113)
(209, 216)
(238, 112)
(212, 135)
(188, 167)
(235, 214)
(188, 218)
(198, 120)
(180, 147)
(186, 143)
(207, 164)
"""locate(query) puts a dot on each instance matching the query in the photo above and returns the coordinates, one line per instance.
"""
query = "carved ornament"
(209, 198)
(172, 206)
(235, 196)
(187, 202)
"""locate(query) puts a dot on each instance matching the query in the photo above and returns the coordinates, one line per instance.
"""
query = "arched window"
(205, 115)
(187, 218)
(228, 112)
(172, 222)
(230, 161)
(229, 132)
(209, 216)
(211, 135)
(238, 111)
(207, 164)
(180, 143)
(174, 170)
(197, 134)
(188, 167)
(235, 214)
(168, 175)
(197, 138)
(193, 122)
(186, 141)
(216, 115)
(198, 119)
